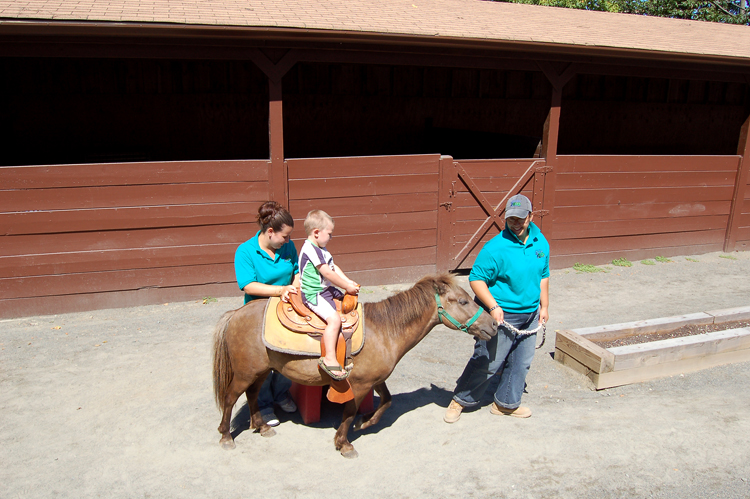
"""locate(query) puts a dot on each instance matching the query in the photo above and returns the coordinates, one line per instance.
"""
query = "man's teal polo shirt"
(252, 264)
(513, 270)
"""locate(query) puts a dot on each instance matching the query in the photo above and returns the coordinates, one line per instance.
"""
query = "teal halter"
(463, 327)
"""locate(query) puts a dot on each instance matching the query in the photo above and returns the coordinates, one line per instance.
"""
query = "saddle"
(294, 329)
(296, 317)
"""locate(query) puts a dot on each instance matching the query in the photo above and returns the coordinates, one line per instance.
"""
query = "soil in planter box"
(689, 330)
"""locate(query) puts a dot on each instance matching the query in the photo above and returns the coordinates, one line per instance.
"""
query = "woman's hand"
(498, 315)
(286, 291)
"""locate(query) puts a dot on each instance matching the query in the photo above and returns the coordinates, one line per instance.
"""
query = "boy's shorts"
(325, 307)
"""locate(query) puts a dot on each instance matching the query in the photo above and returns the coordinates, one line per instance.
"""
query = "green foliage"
(662, 259)
(728, 257)
(622, 262)
(648, 262)
(589, 269)
(723, 11)
(209, 299)
(691, 259)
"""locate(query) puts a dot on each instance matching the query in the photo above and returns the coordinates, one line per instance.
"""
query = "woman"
(265, 266)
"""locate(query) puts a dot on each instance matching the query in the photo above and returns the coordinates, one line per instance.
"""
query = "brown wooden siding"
(104, 235)
(743, 231)
(385, 210)
(608, 207)
(494, 178)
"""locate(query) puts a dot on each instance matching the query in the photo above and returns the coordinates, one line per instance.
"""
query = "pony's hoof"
(350, 454)
(227, 443)
(270, 432)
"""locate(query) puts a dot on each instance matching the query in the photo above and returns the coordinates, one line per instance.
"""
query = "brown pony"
(393, 327)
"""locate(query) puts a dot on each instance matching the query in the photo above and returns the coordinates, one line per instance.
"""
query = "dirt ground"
(118, 403)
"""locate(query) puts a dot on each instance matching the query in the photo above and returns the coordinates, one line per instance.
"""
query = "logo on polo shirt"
(540, 254)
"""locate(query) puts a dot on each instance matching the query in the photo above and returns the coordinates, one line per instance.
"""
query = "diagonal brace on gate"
(493, 214)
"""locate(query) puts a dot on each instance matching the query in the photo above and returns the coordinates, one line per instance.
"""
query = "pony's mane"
(396, 311)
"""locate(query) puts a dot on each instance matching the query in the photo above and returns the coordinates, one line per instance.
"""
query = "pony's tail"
(223, 373)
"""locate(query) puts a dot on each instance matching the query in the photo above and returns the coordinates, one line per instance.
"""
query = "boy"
(318, 276)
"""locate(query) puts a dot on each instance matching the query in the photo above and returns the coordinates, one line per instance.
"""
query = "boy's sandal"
(329, 370)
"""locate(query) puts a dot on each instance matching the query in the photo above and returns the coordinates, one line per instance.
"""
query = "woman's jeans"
(275, 389)
(506, 353)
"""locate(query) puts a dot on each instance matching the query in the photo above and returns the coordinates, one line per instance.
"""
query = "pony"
(393, 326)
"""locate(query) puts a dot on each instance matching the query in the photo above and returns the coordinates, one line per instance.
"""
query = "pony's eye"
(463, 301)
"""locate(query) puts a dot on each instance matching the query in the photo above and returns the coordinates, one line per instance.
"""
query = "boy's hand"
(352, 288)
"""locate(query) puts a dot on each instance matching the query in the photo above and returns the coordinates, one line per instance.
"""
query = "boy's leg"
(326, 310)
(330, 337)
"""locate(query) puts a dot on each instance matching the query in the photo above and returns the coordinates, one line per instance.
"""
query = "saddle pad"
(278, 338)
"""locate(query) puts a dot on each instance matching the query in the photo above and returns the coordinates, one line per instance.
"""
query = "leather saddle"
(296, 317)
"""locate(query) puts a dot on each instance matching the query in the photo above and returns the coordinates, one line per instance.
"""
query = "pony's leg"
(374, 417)
(236, 387)
(341, 440)
(256, 420)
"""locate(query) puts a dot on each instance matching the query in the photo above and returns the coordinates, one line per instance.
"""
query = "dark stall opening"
(335, 110)
(66, 110)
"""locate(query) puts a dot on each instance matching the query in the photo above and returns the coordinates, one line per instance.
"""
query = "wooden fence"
(77, 237)
(384, 207)
(640, 206)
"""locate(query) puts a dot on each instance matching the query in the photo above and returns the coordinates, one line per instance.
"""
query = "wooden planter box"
(634, 363)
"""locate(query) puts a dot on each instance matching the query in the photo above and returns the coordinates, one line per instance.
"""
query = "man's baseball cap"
(518, 206)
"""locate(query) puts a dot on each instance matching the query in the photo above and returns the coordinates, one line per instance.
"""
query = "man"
(510, 279)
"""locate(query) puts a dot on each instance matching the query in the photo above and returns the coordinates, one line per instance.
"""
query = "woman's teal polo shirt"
(512, 270)
(252, 264)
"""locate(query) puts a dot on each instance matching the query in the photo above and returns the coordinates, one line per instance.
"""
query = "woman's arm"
(260, 289)
(544, 301)
(483, 293)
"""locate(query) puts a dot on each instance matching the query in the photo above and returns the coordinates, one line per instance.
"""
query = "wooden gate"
(472, 201)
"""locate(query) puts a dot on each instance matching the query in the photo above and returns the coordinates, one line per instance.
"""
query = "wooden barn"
(140, 136)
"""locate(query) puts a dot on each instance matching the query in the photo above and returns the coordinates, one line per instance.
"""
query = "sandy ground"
(118, 403)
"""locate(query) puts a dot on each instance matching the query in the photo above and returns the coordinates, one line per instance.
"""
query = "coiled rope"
(528, 332)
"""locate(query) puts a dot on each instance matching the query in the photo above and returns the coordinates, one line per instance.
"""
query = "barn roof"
(426, 20)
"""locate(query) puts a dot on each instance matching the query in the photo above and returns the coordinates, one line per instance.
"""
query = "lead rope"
(528, 332)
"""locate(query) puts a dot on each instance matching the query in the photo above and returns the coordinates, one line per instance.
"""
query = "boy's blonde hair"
(317, 219)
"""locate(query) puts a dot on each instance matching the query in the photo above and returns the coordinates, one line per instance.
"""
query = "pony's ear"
(440, 287)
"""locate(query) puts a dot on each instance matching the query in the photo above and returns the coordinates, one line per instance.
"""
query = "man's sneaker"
(453, 412)
(288, 405)
(270, 418)
(518, 412)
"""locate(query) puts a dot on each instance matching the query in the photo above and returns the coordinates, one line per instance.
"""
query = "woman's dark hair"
(272, 214)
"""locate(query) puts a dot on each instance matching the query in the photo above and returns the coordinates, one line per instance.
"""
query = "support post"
(740, 186)
(549, 140)
(278, 181)
(445, 214)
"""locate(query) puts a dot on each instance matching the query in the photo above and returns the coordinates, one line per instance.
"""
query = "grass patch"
(648, 262)
(209, 299)
(588, 269)
(622, 262)
(662, 259)
(691, 259)
(728, 257)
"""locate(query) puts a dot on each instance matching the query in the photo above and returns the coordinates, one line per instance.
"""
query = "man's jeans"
(506, 353)
(275, 389)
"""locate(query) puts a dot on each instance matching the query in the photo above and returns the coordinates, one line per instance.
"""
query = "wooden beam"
(278, 174)
(740, 186)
